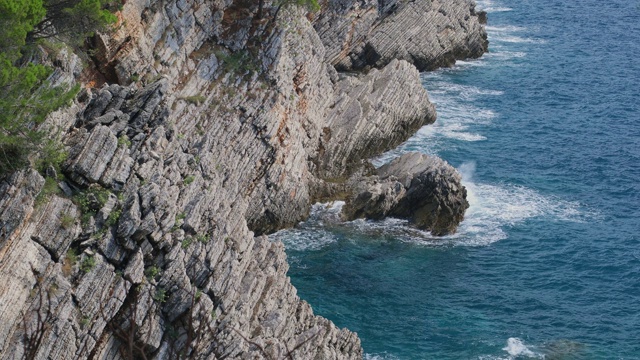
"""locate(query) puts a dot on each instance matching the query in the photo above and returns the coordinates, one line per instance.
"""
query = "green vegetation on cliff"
(26, 97)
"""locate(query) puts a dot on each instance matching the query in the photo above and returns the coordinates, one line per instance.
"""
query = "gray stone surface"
(55, 225)
(370, 115)
(427, 33)
(422, 188)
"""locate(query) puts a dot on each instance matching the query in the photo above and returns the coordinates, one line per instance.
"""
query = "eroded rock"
(422, 188)
(370, 115)
(429, 34)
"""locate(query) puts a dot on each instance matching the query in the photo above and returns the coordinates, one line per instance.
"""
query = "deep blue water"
(546, 131)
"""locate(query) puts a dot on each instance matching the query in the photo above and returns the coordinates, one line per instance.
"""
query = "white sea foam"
(383, 356)
(313, 233)
(459, 134)
(505, 28)
(504, 55)
(491, 7)
(456, 112)
(508, 38)
(497, 9)
(493, 208)
(462, 64)
(467, 92)
(517, 349)
(457, 119)
(305, 239)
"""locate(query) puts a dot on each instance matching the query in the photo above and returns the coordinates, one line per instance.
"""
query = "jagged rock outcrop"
(212, 127)
(426, 33)
(170, 242)
(372, 114)
(422, 188)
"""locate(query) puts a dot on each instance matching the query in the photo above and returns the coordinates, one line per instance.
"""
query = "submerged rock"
(424, 189)
(565, 349)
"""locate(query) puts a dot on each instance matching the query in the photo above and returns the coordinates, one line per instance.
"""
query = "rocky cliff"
(213, 126)
(428, 33)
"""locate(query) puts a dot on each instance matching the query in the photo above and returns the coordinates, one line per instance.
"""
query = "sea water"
(545, 129)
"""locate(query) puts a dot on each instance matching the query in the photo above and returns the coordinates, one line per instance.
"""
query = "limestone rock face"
(424, 189)
(426, 33)
(370, 115)
(212, 128)
(17, 194)
(344, 27)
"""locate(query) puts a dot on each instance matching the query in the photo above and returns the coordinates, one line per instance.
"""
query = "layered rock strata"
(213, 127)
(373, 113)
(428, 33)
(422, 188)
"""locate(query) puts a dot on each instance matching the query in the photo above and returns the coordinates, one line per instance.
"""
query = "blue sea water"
(545, 129)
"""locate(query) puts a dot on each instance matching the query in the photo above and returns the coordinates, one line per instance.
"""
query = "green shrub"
(72, 256)
(27, 97)
(66, 221)
(52, 153)
(70, 260)
(113, 217)
(87, 208)
(202, 238)
(124, 141)
(160, 295)
(238, 63)
(27, 100)
(85, 321)
(189, 179)
(88, 263)
(310, 5)
(196, 100)
(49, 188)
(186, 242)
(74, 20)
(151, 272)
(179, 220)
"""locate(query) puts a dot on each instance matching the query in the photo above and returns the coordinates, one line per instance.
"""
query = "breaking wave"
(493, 209)
(491, 7)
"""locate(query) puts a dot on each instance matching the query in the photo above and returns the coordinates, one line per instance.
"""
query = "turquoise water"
(546, 131)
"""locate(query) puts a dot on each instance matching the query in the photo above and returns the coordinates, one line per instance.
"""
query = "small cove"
(544, 129)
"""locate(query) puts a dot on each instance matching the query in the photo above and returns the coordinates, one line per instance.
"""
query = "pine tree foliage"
(26, 97)
(73, 20)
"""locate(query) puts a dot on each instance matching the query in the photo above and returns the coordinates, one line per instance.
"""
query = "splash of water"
(516, 348)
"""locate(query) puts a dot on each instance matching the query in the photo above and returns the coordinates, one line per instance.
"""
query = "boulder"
(423, 189)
